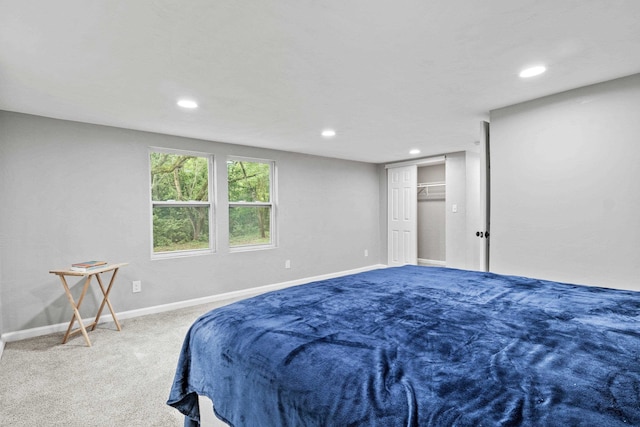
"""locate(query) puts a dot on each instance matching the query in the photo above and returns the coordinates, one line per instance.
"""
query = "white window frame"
(272, 204)
(210, 204)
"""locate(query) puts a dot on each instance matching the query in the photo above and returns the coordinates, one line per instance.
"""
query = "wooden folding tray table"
(76, 306)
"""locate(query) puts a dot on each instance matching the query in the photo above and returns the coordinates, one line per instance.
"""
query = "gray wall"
(456, 228)
(73, 191)
(565, 175)
(475, 221)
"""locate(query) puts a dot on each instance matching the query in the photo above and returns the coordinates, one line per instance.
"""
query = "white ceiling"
(388, 76)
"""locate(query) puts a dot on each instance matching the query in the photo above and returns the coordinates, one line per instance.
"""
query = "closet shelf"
(432, 190)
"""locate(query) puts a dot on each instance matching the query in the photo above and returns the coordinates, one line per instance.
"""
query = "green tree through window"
(180, 202)
(250, 202)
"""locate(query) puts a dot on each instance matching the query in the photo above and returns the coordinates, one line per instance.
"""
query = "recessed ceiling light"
(414, 151)
(187, 103)
(533, 71)
(328, 133)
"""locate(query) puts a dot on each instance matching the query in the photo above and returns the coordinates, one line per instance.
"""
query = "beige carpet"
(122, 380)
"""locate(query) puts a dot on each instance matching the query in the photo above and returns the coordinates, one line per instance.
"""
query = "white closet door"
(402, 225)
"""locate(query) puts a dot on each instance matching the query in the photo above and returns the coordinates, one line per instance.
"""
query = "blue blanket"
(418, 346)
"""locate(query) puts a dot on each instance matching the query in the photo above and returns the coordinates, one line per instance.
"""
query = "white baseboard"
(61, 327)
(432, 262)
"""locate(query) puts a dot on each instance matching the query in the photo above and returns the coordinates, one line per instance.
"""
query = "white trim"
(179, 152)
(181, 254)
(182, 204)
(1, 348)
(431, 262)
(419, 162)
(249, 247)
(61, 327)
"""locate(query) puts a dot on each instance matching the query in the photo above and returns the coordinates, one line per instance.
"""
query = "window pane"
(179, 177)
(180, 228)
(249, 225)
(248, 181)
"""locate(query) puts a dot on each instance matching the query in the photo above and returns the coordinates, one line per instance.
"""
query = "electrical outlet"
(366, 252)
(136, 286)
(287, 264)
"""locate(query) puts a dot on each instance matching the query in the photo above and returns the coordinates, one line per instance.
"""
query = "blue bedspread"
(418, 346)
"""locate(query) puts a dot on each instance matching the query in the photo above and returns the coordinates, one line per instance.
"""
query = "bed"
(417, 346)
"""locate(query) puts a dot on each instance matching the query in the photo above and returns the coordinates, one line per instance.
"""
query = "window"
(251, 205)
(181, 203)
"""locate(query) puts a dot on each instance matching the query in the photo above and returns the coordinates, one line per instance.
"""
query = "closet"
(431, 215)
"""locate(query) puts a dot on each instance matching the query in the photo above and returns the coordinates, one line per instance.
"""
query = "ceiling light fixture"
(414, 151)
(533, 71)
(328, 133)
(187, 103)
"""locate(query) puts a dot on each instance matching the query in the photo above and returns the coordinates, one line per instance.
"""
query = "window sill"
(180, 254)
(251, 248)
